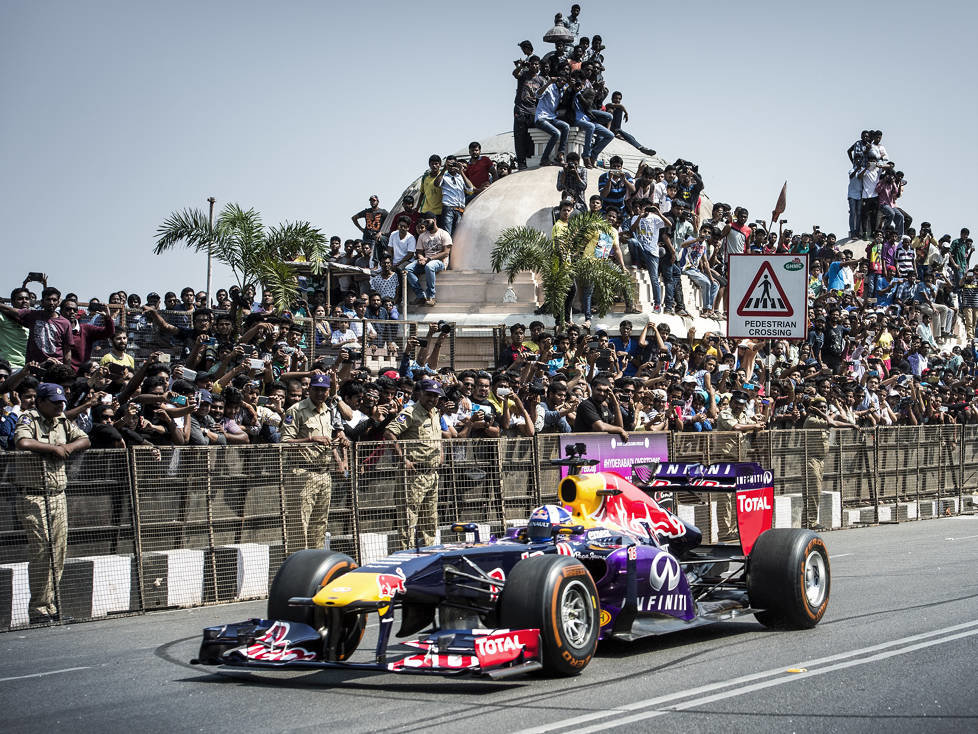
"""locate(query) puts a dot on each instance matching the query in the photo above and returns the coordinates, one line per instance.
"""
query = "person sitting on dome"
(546, 119)
(434, 247)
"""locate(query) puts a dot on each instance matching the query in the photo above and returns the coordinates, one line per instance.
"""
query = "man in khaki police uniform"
(733, 418)
(41, 504)
(420, 425)
(310, 424)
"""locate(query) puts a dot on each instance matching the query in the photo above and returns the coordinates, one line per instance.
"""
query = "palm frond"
(190, 226)
(278, 279)
(607, 280)
(520, 249)
(291, 239)
(581, 231)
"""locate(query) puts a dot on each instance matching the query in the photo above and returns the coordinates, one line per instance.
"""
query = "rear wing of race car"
(752, 484)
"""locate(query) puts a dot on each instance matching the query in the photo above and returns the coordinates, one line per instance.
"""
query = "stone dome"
(525, 198)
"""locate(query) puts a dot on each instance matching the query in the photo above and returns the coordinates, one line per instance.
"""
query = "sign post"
(767, 297)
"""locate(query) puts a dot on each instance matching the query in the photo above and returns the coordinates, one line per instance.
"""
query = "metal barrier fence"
(152, 528)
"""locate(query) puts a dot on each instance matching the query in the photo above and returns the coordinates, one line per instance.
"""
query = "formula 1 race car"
(609, 561)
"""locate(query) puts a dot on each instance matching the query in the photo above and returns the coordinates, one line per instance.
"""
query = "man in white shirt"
(403, 243)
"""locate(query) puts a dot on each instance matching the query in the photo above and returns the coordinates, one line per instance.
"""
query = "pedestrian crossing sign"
(767, 297)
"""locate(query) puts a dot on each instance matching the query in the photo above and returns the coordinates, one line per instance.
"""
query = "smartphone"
(36, 277)
(212, 342)
(248, 348)
(256, 364)
(189, 375)
(531, 357)
(592, 344)
(164, 358)
(180, 400)
(116, 369)
(264, 400)
(503, 392)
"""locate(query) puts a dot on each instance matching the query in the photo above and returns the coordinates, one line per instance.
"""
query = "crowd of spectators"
(892, 316)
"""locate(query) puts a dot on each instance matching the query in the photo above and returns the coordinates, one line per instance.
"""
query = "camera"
(444, 327)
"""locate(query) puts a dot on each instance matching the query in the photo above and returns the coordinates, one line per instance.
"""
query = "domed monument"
(469, 291)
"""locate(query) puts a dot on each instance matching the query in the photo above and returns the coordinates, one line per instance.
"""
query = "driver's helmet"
(543, 520)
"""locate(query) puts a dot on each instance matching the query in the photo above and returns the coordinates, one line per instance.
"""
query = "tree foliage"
(254, 253)
(561, 260)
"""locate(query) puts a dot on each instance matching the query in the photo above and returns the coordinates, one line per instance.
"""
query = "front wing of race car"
(262, 643)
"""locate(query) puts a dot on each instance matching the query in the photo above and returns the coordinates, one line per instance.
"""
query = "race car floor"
(896, 651)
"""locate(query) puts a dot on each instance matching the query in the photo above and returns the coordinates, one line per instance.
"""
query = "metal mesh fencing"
(66, 554)
(152, 528)
(210, 522)
(411, 494)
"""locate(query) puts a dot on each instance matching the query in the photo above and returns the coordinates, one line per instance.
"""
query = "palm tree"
(253, 253)
(561, 260)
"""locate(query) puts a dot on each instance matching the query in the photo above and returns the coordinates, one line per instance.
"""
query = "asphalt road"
(897, 650)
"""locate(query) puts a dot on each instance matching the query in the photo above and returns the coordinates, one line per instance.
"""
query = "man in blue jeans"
(434, 247)
(647, 229)
(583, 103)
(546, 120)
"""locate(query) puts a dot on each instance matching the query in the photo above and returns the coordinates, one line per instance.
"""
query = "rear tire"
(789, 578)
(556, 595)
(304, 574)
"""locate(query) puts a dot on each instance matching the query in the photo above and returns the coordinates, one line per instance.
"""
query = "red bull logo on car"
(390, 584)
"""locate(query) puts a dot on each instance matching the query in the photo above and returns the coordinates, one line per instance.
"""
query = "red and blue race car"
(608, 560)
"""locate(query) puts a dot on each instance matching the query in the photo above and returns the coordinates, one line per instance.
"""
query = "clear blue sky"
(114, 114)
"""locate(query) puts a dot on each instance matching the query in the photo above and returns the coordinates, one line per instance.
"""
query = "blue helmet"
(542, 521)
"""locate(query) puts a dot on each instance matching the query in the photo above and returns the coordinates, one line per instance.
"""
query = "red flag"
(781, 205)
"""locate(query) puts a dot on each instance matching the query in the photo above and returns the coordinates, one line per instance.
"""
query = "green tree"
(561, 260)
(254, 253)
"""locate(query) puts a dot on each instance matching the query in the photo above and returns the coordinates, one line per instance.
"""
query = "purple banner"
(615, 456)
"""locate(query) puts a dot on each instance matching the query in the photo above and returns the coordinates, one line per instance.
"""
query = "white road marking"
(964, 537)
(841, 555)
(40, 675)
(923, 640)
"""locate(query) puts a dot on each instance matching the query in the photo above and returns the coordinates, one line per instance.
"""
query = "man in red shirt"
(410, 211)
(84, 336)
(480, 169)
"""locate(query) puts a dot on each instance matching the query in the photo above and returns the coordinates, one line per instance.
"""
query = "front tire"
(304, 574)
(789, 578)
(556, 595)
